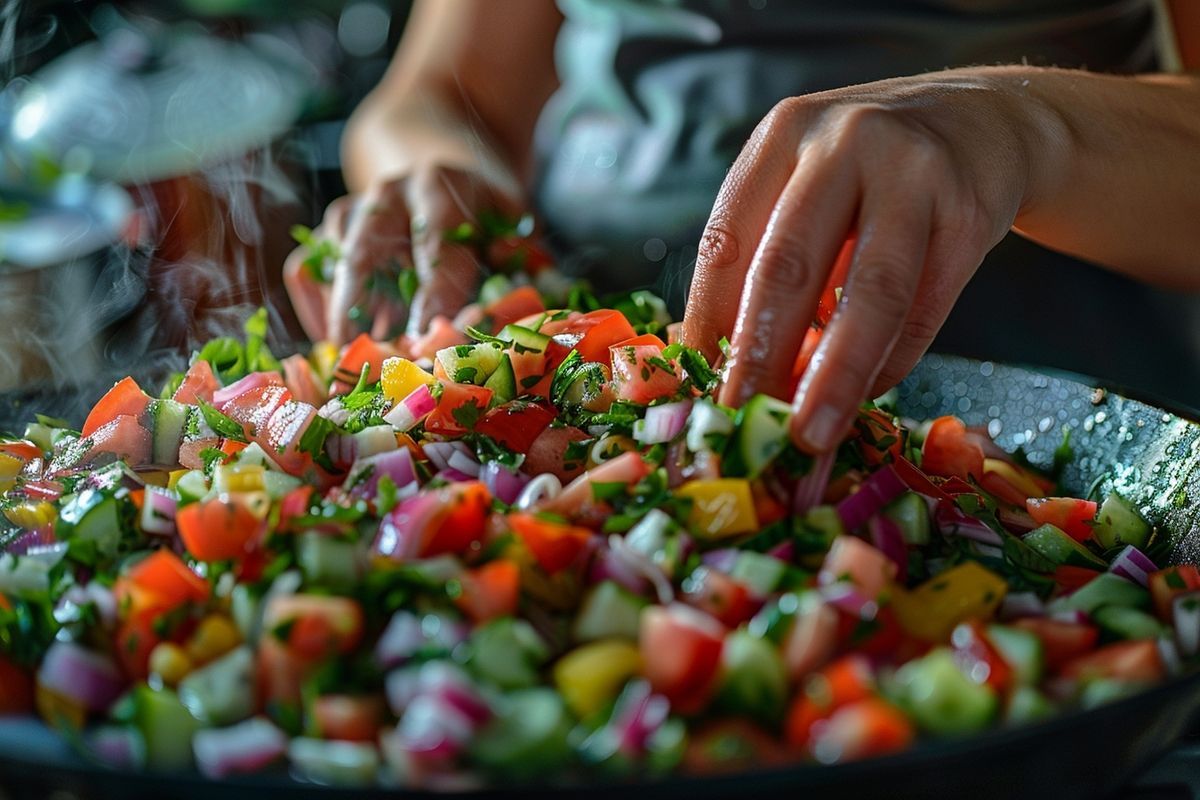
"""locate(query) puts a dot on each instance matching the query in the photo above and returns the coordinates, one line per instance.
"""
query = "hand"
(395, 225)
(926, 173)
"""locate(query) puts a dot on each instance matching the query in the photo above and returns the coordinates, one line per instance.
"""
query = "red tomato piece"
(349, 718)
(198, 384)
(642, 340)
(283, 433)
(16, 690)
(978, 657)
(517, 304)
(868, 568)
(554, 545)
(452, 415)
(219, 529)
(845, 681)
(125, 399)
(124, 438)
(720, 596)
(252, 409)
(768, 509)
(314, 626)
(490, 591)
(164, 574)
(1069, 514)
(281, 674)
(868, 728)
(1061, 641)
(627, 468)
(808, 348)
(548, 453)
(516, 424)
(837, 280)
(1167, 584)
(440, 334)
(1072, 578)
(599, 330)
(1136, 661)
(681, 651)
(301, 381)
(135, 638)
(21, 449)
(363, 350)
(640, 373)
(463, 521)
(950, 452)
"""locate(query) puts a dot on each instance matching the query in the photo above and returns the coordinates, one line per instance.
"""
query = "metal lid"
(136, 109)
(70, 219)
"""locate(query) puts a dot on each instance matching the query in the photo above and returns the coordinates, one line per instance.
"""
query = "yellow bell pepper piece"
(10, 467)
(239, 478)
(174, 476)
(590, 676)
(215, 636)
(170, 663)
(720, 508)
(31, 515)
(1014, 476)
(323, 358)
(59, 711)
(933, 609)
(401, 377)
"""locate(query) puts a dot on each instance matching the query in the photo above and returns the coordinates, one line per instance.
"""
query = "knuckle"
(784, 265)
(919, 329)
(719, 247)
(883, 285)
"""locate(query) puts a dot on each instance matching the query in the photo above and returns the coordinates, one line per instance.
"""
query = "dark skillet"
(1149, 454)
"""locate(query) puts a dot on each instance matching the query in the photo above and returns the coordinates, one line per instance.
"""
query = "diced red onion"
(662, 423)
(117, 747)
(880, 488)
(335, 411)
(407, 634)
(1185, 614)
(609, 567)
(412, 409)
(448, 682)
(452, 475)
(1071, 616)
(889, 540)
(432, 729)
(439, 453)
(401, 528)
(642, 564)
(810, 489)
(341, 448)
(542, 488)
(374, 440)
(401, 687)
(246, 747)
(1016, 520)
(158, 511)
(87, 677)
(785, 551)
(846, 597)
(637, 716)
(953, 521)
(505, 484)
(1021, 604)
(33, 538)
(466, 464)
(721, 560)
(254, 380)
(396, 464)
(1133, 565)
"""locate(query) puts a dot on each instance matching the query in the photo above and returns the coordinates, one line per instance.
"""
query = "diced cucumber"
(191, 486)
(168, 419)
(527, 738)
(495, 287)
(820, 526)
(279, 484)
(335, 763)
(761, 434)
(609, 610)
(1119, 523)
(41, 435)
(1060, 548)
(1021, 650)
(753, 678)
(1027, 705)
(470, 363)
(502, 382)
(1107, 690)
(525, 340)
(221, 693)
(329, 561)
(940, 698)
(706, 420)
(166, 726)
(245, 607)
(759, 572)
(508, 653)
(92, 517)
(1128, 623)
(1104, 590)
(911, 513)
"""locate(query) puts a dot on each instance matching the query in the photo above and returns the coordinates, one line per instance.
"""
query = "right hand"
(395, 224)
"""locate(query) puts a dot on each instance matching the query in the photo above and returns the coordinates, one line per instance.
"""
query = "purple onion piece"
(1133, 565)
(721, 560)
(880, 488)
(889, 540)
(504, 484)
(439, 453)
(1021, 604)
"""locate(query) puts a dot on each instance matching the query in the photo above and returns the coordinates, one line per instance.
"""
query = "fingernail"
(821, 432)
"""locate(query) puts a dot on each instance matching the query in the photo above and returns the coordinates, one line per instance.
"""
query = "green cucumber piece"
(609, 610)
(759, 572)
(1119, 523)
(760, 434)
(93, 518)
(820, 526)
(508, 653)
(1103, 691)
(335, 762)
(329, 561)
(1057, 546)
(528, 737)
(502, 382)
(494, 288)
(1128, 623)
(753, 678)
(1026, 705)
(278, 484)
(1104, 590)
(1021, 650)
(911, 513)
(168, 420)
(167, 728)
(525, 340)
(191, 486)
(221, 693)
(470, 363)
(940, 698)
(41, 435)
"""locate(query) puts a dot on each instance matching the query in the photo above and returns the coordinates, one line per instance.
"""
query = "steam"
(20, 38)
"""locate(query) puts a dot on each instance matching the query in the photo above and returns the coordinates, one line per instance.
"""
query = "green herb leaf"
(221, 424)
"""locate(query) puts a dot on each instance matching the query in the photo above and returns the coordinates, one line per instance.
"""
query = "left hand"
(928, 174)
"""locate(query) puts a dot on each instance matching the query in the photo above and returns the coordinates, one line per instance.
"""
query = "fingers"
(308, 293)
(894, 227)
(788, 274)
(735, 227)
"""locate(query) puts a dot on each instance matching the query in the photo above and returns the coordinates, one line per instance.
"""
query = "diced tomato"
(490, 591)
(879, 637)
(949, 452)
(519, 254)
(978, 657)
(917, 480)
(1071, 578)
(640, 373)
(627, 468)
(294, 504)
(1136, 661)
(136, 637)
(219, 529)
(681, 651)
(350, 718)
(16, 690)
(548, 453)
(189, 452)
(731, 745)
(811, 640)
(314, 627)
(599, 330)
(21, 449)
(880, 439)
(231, 447)
(284, 432)
(301, 381)
(124, 438)
(517, 304)
(198, 384)
(164, 574)
(1167, 584)
(837, 280)
(1009, 482)
(463, 522)
(868, 568)
(808, 348)
(554, 545)
(868, 728)
(440, 334)
(252, 409)
(720, 596)
(516, 424)
(642, 340)
(845, 681)
(363, 350)
(767, 508)
(281, 674)
(452, 416)
(1070, 514)
(125, 399)
(1061, 641)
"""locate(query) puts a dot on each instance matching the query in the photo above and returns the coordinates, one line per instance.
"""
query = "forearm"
(1113, 169)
